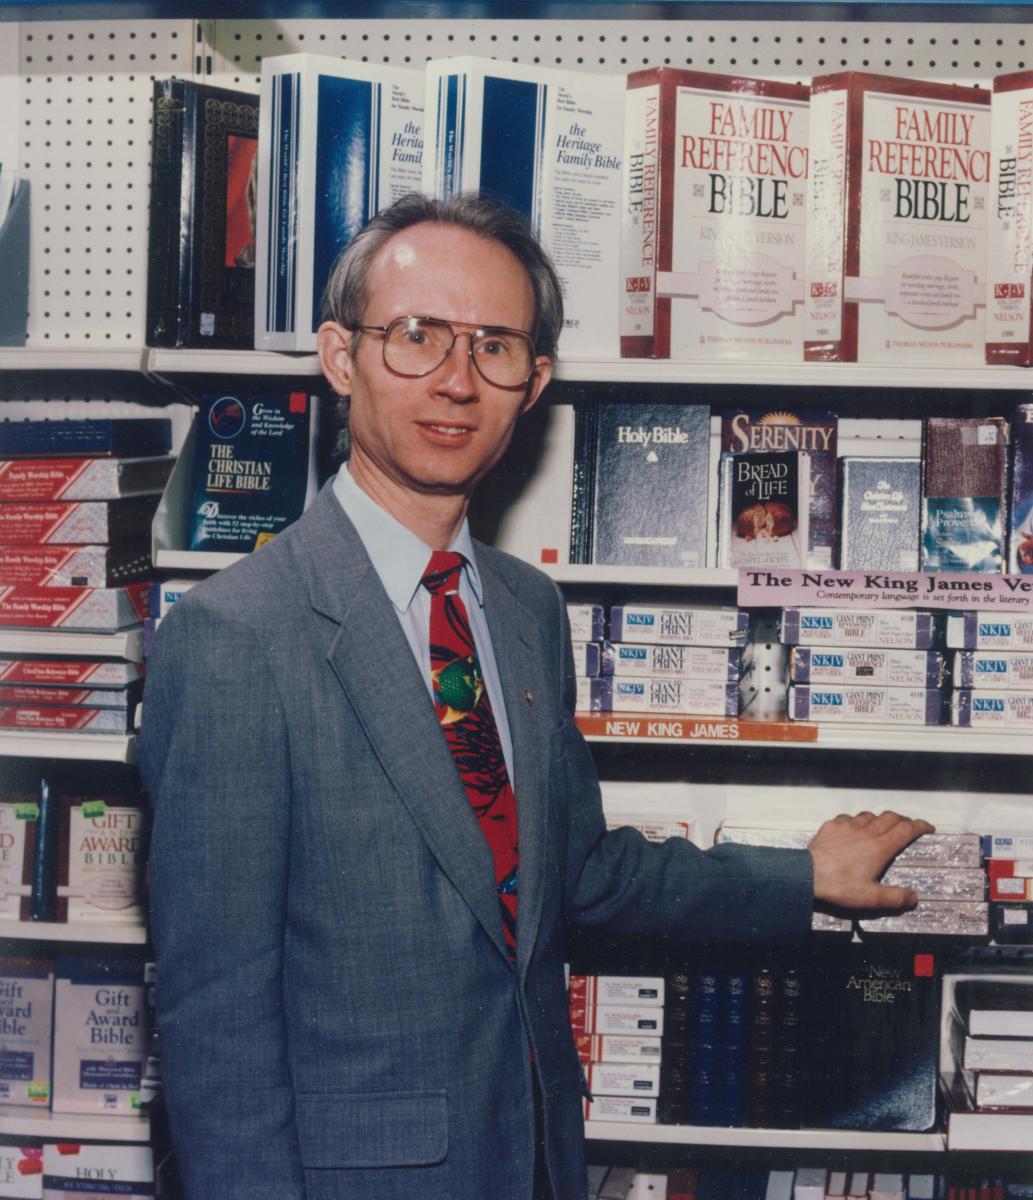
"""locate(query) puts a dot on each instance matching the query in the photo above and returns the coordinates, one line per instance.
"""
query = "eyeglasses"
(415, 346)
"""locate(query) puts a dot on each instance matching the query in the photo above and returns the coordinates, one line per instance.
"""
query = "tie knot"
(442, 573)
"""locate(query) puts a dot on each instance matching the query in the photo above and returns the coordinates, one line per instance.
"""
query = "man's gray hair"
(345, 297)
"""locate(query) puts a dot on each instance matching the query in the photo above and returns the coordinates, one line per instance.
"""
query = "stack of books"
(988, 1080)
(618, 1022)
(1009, 865)
(76, 502)
(992, 669)
(946, 870)
(675, 659)
(860, 665)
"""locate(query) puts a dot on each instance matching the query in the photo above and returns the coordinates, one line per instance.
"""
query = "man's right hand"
(850, 853)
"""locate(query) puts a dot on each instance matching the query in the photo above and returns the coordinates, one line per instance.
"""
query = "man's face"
(442, 432)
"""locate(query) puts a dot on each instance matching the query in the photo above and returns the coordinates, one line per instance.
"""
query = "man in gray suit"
(361, 988)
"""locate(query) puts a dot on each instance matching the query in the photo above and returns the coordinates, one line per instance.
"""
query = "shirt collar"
(398, 556)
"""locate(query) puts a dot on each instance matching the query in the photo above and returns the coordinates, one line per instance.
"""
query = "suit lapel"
(519, 655)
(373, 662)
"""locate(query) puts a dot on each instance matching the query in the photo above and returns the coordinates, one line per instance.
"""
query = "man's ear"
(333, 344)
(538, 382)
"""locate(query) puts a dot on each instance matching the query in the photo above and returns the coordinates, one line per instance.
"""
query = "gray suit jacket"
(338, 1017)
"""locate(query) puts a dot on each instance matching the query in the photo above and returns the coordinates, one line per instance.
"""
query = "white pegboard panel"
(85, 147)
(960, 53)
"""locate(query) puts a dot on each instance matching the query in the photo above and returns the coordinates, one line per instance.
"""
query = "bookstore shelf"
(230, 362)
(78, 358)
(690, 730)
(194, 560)
(83, 747)
(636, 370)
(127, 643)
(57, 931)
(37, 1123)
(777, 374)
(786, 1139)
(675, 577)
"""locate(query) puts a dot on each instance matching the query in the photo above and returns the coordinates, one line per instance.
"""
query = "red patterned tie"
(468, 724)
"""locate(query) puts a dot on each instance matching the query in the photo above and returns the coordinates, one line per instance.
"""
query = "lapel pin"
(528, 697)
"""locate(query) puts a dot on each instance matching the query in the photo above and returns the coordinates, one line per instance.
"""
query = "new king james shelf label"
(251, 456)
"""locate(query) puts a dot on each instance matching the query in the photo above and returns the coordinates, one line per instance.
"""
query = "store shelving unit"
(126, 644)
(81, 89)
(834, 1140)
(83, 747)
(38, 1123)
(55, 931)
(850, 739)
(625, 370)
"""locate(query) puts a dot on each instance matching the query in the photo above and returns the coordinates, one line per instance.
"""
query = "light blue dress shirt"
(399, 558)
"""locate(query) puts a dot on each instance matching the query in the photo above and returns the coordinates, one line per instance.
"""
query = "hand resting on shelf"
(850, 853)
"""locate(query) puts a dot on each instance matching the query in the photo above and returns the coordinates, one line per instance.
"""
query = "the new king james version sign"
(884, 590)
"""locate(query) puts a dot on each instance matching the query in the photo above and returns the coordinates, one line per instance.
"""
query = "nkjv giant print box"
(714, 205)
(897, 221)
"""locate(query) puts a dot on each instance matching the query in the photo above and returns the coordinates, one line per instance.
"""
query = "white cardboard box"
(713, 239)
(897, 221)
(550, 143)
(338, 141)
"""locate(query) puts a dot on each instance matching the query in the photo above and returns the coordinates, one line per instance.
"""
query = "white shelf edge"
(230, 362)
(59, 931)
(41, 1123)
(194, 560)
(640, 370)
(126, 643)
(939, 739)
(594, 573)
(791, 1139)
(85, 747)
(60, 358)
(576, 370)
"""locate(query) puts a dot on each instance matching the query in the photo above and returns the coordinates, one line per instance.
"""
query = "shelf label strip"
(693, 729)
(776, 587)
